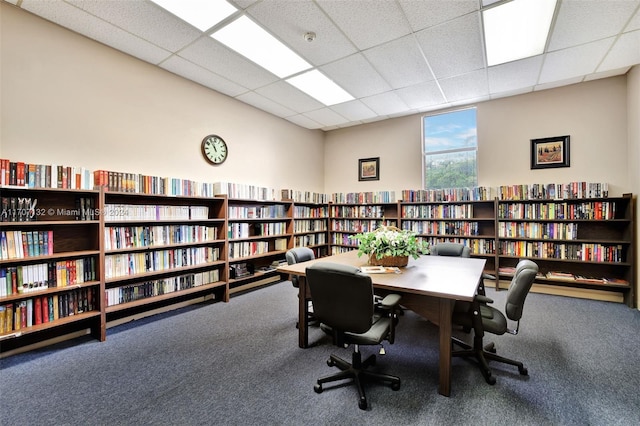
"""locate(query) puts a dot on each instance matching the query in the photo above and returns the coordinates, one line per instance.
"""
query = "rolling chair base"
(356, 371)
(483, 355)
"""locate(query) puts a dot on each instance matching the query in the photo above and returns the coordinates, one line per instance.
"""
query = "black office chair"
(298, 255)
(343, 303)
(482, 317)
(450, 249)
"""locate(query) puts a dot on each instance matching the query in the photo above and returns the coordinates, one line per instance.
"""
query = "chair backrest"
(342, 296)
(450, 249)
(521, 283)
(298, 255)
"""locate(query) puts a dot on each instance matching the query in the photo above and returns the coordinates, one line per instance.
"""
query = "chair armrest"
(483, 299)
(390, 301)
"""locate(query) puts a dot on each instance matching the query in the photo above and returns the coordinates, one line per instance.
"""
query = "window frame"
(423, 142)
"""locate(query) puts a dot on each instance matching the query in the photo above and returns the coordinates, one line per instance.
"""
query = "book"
(380, 270)
(560, 276)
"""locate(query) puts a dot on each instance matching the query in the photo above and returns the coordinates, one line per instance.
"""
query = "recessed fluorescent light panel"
(202, 14)
(253, 42)
(517, 29)
(320, 87)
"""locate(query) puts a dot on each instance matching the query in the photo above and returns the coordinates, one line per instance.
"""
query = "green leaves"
(385, 241)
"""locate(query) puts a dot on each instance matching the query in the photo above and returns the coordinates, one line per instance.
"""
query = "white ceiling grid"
(396, 57)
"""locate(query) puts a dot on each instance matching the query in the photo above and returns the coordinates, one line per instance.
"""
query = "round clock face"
(214, 149)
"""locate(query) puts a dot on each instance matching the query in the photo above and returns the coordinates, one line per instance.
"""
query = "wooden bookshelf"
(472, 223)
(50, 269)
(347, 219)
(161, 249)
(259, 234)
(311, 227)
(583, 243)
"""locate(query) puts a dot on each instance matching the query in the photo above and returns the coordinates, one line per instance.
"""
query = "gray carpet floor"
(238, 363)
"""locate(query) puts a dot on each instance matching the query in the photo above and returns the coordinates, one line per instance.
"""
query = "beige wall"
(69, 100)
(594, 114)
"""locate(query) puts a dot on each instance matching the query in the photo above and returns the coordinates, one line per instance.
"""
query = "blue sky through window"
(451, 130)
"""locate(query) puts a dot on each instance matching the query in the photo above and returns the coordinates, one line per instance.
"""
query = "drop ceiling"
(396, 57)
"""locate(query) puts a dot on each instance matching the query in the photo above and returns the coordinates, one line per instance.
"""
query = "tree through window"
(450, 147)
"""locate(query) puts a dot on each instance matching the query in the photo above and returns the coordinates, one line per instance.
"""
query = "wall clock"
(214, 149)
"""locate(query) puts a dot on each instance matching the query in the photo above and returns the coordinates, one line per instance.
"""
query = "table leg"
(446, 310)
(303, 313)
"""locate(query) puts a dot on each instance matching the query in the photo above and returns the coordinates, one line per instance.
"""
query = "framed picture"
(548, 153)
(369, 168)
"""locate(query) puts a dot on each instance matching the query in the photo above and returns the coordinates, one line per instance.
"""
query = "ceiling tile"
(422, 95)
(290, 20)
(386, 53)
(584, 21)
(573, 62)
(469, 86)
(558, 83)
(605, 74)
(186, 69)
(625, 52)
(455, 48)
(303, 121)
(385, 103)
(326, 117)
(293, 98)
(215, 57)
(400, 62)
(88, 25)
(514, 75)
(356, 75)
(353, 110)
(634, 23)
(428, 13)
(367, 23)
(145, 20)
(265, 104)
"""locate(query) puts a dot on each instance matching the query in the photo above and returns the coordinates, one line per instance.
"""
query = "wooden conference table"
(429, 286)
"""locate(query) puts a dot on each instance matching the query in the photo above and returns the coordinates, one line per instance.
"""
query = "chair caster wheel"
(330, 362)
(489, 378)
(317, 388)
(395, 386)
(523, 371)
(362, 404)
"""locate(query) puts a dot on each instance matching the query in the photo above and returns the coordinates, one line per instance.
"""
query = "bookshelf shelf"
(311, 227)
(259, 233)
(161, 249)
(346, 219)
(164, 297)
(470, 222)
(49, 263)
(579, 242)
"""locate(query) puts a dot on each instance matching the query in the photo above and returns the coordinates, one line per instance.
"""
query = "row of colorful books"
(31, 175)
(132, 292)
(23, 244)
(304, 196)
(591, 210)
(125, 264)
(553, 191)
(44, 309)
(121, 237)
(35, 277)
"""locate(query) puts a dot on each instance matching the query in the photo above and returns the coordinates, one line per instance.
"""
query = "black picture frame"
(549, 153)
(369, 169)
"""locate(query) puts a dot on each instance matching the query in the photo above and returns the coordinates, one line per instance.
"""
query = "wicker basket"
(388, 260)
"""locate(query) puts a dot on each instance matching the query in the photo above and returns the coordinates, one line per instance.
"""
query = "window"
(450, 150)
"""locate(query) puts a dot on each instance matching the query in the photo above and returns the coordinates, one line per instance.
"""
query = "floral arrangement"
(389, 241)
